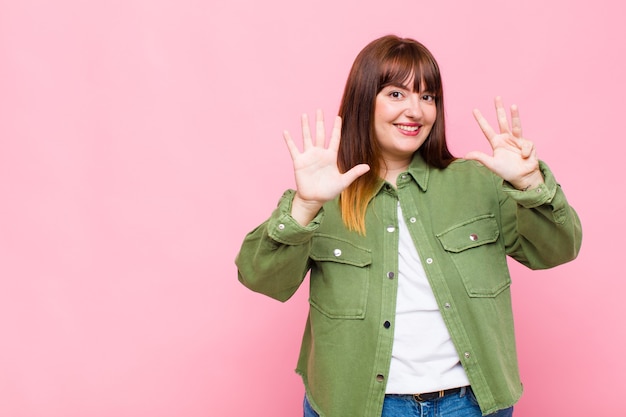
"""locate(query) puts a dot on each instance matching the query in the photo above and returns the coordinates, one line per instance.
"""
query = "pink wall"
(141, 139)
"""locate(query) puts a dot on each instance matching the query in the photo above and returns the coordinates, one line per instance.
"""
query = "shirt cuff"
(285, 229)
(535, 197)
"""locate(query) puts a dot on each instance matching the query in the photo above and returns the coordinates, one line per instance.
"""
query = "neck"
(390, 171)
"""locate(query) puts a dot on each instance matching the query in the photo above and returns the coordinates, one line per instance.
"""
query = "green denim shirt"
(464, 220)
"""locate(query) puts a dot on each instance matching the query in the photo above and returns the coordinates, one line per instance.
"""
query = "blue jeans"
(463, 404)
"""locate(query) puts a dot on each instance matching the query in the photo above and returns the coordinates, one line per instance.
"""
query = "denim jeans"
(463, 404)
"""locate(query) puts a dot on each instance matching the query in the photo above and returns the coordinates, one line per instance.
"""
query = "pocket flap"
(328, 248)
(472, 233)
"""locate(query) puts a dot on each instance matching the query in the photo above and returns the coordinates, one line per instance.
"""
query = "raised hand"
(318, 178)
(514, 158)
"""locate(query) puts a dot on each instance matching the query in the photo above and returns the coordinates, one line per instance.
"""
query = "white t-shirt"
(424, 358)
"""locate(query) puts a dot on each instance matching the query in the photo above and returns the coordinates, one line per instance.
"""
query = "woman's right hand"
(318, 178)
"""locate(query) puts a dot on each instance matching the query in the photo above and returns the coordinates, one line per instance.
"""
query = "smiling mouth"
(407, 128)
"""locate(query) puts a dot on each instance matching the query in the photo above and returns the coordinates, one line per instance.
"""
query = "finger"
(484, 125)
(320, 134)
(503, 122)
(335, 136)
(516, 123)
(291, 146)
(354, 173)
(510, 143)
(481, 157)
(306, 131)
(527, 148)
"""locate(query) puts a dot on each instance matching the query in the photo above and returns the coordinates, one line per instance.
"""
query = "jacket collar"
(420, 171)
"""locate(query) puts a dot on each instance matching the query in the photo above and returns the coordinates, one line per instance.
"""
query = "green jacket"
(464, 220)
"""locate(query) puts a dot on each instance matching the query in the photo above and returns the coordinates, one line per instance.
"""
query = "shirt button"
(281, 226)
(337, 252)
(473, 237)
(391, 229)
(446, 305)
(380, 378)
(390, 275)
(412, 219)
(386, 325)
(429, 261)
(467, 355)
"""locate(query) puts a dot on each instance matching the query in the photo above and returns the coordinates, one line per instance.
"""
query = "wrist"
(531, 181)
(303, 211)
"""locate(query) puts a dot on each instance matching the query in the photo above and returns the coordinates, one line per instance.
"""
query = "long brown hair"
(387, 60)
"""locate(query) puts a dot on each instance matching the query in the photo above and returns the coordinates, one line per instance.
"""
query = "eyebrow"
(398, 85)
(408, 87)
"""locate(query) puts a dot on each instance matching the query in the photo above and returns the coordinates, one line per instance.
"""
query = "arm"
(541, 229)
(274, 258)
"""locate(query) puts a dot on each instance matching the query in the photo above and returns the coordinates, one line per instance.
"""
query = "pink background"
(141, 139)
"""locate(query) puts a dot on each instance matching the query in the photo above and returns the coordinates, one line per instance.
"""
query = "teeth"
(408, 128)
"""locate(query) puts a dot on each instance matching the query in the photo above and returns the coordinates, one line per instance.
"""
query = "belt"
(429, 396)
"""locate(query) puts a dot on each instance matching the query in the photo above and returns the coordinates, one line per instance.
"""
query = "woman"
(410, 307)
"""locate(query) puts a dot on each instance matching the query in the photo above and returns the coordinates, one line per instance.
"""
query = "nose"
(414, 106)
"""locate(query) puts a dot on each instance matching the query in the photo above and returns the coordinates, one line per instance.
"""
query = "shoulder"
(467, 164)
(465, 167)
(465, 175)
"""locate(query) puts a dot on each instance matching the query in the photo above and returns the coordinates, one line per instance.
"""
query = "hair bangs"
(408, 63)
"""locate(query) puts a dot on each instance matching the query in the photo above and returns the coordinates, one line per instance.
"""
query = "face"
(403, 120)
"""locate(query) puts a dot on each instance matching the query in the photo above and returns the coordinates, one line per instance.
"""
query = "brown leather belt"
(429, 396)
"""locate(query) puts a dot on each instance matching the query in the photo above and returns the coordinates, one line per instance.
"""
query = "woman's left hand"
(514, 158)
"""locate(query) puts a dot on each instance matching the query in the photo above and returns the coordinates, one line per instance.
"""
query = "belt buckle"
(419, 397)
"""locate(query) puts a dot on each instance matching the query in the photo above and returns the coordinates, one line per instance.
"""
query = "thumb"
(481, 157)
(354, 173)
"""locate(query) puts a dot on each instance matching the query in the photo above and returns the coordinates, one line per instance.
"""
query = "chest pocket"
(339, 277)
(480, 261)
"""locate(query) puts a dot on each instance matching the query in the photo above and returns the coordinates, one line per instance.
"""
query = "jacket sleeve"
(274, 257)
(541, 229)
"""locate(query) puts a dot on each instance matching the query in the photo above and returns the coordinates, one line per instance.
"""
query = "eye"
(396, 94)
(428, 97)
